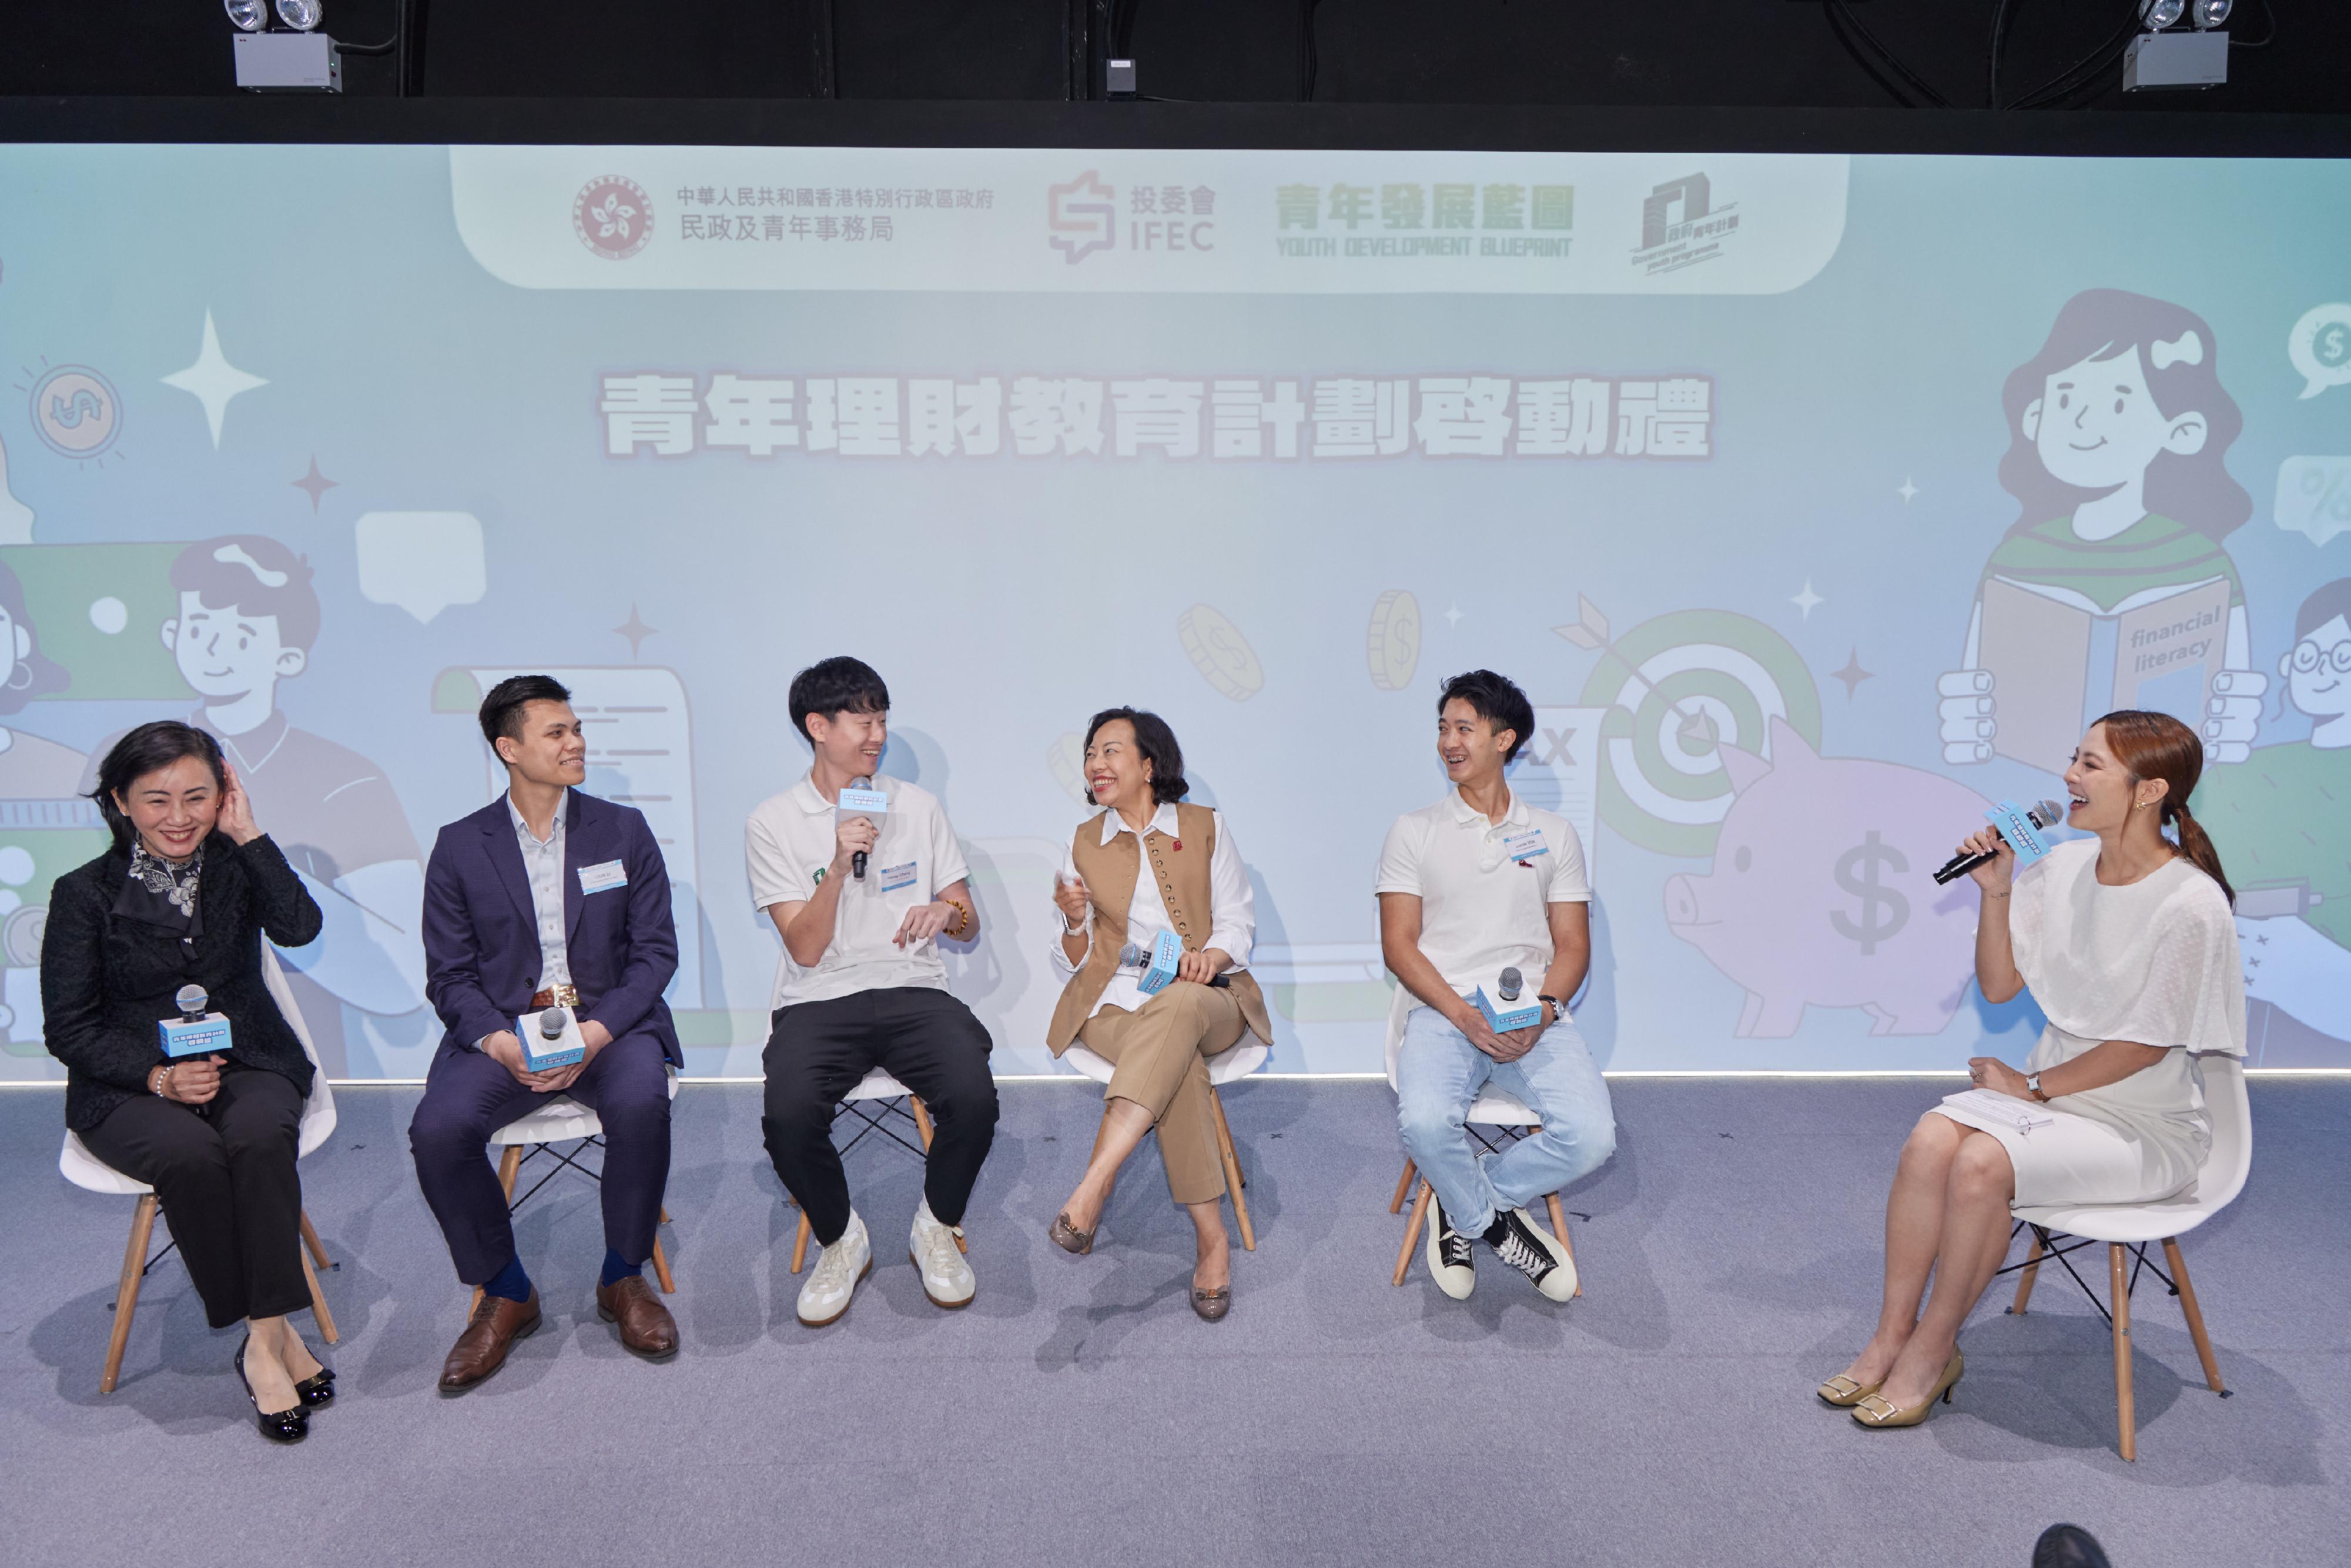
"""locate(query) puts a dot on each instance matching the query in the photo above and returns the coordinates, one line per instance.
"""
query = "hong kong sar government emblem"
(613, 216)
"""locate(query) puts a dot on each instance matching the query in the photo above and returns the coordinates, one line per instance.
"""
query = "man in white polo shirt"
(858, 899)
(1478, 883)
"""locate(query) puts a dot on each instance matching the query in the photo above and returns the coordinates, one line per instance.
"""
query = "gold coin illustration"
(1219, 651)
(1393, 647)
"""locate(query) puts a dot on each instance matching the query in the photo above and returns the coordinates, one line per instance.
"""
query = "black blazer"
(105, 982)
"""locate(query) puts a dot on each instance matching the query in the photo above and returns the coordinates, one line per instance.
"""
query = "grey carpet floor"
(1076, 1413)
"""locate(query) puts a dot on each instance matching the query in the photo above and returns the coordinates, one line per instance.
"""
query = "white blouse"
(2156, 963)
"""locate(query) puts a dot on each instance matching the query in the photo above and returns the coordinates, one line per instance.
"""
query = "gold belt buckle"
(566, 996)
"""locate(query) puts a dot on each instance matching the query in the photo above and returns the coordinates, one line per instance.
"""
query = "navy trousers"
(468, 1096)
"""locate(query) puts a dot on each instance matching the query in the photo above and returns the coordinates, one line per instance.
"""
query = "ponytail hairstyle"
(2157, 746)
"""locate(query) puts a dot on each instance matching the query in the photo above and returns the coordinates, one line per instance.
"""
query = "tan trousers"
(1161, 1051)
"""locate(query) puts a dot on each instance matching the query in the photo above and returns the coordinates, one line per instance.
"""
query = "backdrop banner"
(1816, 502)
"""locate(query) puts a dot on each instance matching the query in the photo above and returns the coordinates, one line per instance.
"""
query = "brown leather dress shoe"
(646, 1326)
(482, 1348)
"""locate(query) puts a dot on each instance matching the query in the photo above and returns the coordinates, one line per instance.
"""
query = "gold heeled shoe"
(1069, 1237)
(1845, 1393)
(1872, 1410)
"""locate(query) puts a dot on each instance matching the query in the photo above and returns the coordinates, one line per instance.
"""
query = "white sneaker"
(947, 1278)
(1450, 1262)
(830, 1284)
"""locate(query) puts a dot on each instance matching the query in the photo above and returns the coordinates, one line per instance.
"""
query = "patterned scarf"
(163, 893)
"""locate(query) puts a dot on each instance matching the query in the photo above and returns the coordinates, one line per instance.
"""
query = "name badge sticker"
(895, 877)
(603, 877)
(1525, 846)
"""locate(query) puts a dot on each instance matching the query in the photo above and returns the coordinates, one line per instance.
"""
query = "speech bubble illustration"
(2320, 347)
(421, 561)
(2314, 497)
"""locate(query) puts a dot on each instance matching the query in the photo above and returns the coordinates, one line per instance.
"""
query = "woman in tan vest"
(1144, 866)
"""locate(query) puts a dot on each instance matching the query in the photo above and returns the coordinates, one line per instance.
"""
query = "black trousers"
(468, 1096)
(227, 1185)
(925, 1040)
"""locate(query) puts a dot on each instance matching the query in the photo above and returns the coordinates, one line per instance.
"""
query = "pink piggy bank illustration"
(1823, 893)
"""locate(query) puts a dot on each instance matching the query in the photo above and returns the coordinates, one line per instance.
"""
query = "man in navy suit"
(547, 897)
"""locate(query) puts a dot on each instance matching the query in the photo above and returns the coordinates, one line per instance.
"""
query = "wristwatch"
(2032, 1087)
(1558, 1008)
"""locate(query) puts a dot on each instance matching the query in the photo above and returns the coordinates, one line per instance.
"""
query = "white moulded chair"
(2128, 1229)
(873, 1101)
(1243, 1058)
(562, 1120)
(1492, 1108)
(89, 1173)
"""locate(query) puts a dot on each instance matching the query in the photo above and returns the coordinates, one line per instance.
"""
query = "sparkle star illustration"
(213, 380)
(1807, 600)
(1453, 616)
(313, 483)
(1906, 489)
(1853, 675)
(636, 630)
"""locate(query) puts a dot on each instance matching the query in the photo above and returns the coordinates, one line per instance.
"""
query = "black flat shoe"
(319, 1391)
(278, 1426)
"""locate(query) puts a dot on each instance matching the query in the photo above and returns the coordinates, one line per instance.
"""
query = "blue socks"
(510, 1281)
(515, 1285)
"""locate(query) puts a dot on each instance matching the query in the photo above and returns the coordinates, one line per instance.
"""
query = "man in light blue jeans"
(1477, 887)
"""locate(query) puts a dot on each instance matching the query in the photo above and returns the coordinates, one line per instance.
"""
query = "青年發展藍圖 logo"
(1082, 214)
(74, 411)
(1682, 226)
(613, 216)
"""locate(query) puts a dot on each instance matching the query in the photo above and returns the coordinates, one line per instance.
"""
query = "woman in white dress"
(2127, 944)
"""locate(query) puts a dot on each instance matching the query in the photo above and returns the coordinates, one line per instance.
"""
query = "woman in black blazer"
(184, 897)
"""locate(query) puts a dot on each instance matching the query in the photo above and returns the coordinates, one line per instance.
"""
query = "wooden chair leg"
(126, 1291)
(1412, 1231)
(2195, 1314)
(318, 1303)
(2118, 1290)
(1404, 1186)
(1559, 1229)
(664, 1219)
(310, 1239)
(799, 1243)
(661, 1270)
(1232, 1169)
(2025, 1278)
(921, 1120)
(509, 1162)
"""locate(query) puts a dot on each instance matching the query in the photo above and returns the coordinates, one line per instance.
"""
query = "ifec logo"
(613, 216)
(1083, 216)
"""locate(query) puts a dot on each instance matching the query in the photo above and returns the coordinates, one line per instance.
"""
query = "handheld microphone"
(2044, 815)
(1510, 983)
(550, 1024)
(190, 999)
(857, 860)
(1134, 957)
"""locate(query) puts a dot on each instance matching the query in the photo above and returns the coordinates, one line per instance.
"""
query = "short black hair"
(2321, 606)
(1495, 699)
(1157, 744)
(256, 576)
(833, 686)
(149, 749)
(502, 709)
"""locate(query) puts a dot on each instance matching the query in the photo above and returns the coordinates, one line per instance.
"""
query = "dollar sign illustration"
(2334, 344)
(1856, 873)
(84, 405)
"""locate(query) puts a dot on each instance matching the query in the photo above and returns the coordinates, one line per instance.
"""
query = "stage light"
(2156, 15)
(250, 15)
(304, 14)
(2211, 13)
